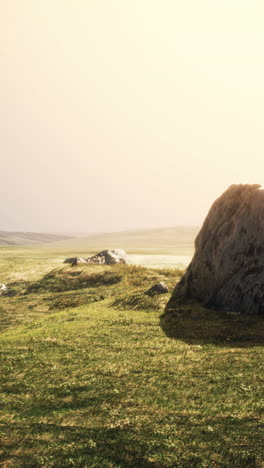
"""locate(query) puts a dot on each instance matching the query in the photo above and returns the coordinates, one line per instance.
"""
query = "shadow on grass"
(74, 446)
(233, 442)
(68, 280)
(194, 324)
(16, 288)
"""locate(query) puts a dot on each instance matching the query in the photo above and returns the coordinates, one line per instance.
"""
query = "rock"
(69, 260)
(106, 257)
(3, 289)
(78, 260)
(227, 270)
(158, 288)
(75, 260)
(110, 257)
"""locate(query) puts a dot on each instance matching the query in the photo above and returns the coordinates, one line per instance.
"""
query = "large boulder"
(110, 257)
(227, 270)
(3, 289)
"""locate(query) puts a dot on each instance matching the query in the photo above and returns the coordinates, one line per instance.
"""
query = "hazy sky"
(120, 114)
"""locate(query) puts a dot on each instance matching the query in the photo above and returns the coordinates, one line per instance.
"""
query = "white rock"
(110, 257)
(3, 289)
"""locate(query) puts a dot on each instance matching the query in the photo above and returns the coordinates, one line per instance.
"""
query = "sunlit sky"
(119, 114)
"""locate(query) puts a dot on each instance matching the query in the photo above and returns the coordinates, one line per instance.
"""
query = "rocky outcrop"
(3, 289)
(158, 288)
(227, 270)
(110, 257)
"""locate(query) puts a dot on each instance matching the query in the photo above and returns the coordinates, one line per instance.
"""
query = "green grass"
(93, 375)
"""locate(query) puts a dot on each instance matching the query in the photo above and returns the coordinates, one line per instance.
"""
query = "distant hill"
(30, 238)
(178, 240)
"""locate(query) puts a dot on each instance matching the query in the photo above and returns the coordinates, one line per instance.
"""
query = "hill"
(30, 238)
(173, 240)
(178, 240)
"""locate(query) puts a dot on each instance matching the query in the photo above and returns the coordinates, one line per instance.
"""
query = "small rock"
(69, 260)
(3, 289)
(78, 260)
(158, 288)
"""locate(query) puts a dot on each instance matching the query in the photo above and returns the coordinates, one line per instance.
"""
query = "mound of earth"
(227, 270)
(110, 257)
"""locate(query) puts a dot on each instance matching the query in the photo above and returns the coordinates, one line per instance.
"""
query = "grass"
(195, 324)
(94, 375)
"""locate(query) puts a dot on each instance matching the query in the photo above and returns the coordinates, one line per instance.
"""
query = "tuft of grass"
(138, 301)
(63, 301)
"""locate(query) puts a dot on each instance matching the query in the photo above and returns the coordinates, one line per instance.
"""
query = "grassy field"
(172, 241)
(177, 240)
(93, 374)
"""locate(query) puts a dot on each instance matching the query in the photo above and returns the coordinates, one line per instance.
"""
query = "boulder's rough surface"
(78, 260)
(227, 270)
(158, 288)
(3, 289)
(110, 257)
